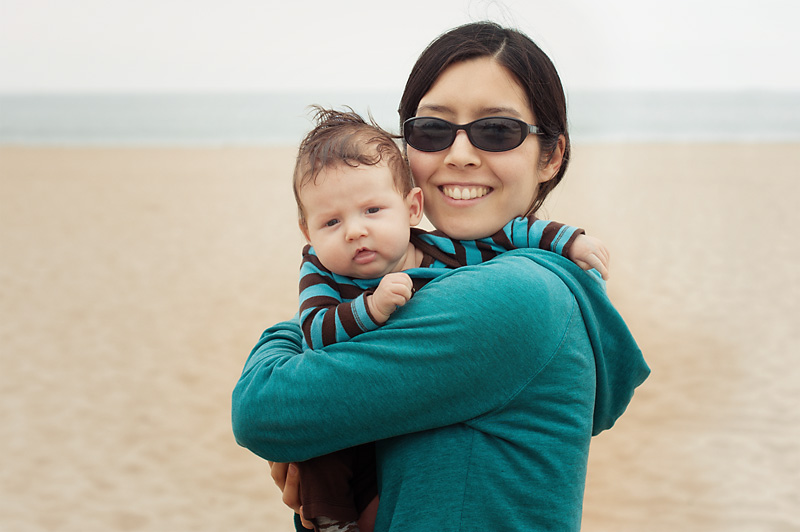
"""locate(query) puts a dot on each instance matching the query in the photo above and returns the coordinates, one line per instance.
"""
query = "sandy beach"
(134, 282)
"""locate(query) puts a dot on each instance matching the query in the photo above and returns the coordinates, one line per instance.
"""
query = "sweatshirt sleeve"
(409, 375)
(325, 318)
(531, 232)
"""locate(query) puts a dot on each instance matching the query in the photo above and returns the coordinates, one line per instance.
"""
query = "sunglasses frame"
(526, 129)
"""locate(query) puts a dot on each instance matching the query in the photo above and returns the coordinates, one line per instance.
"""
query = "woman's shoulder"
(504, 292)
(512, 273)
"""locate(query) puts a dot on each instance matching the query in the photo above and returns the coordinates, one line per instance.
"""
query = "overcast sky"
(253, 45)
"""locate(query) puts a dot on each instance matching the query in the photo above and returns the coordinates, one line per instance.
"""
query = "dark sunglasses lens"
(429, 134)
(496, 134)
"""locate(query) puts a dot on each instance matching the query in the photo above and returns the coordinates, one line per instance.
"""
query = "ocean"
(284, 118)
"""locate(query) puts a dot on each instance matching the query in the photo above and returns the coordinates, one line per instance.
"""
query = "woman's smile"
(464, 192)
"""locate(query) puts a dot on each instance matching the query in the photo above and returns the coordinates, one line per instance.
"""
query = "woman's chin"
(467, 229)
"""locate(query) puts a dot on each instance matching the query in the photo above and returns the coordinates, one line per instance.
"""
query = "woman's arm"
(437, 362)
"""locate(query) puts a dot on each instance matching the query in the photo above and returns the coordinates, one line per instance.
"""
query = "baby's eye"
(331, 223)
(373, 210)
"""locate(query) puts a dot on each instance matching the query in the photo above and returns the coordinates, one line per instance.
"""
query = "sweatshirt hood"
(620, 365)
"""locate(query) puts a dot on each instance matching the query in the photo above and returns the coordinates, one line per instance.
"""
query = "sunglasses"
(493, 133)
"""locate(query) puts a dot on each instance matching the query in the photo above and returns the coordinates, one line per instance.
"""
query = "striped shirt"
(333, 308)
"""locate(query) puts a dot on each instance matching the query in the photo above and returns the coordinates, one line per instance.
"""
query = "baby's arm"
(589, 252)
(586, 251)
(329, 320)
(328, 316)
(394, 291)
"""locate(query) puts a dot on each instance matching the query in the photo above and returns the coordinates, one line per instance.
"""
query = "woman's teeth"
(465, 193)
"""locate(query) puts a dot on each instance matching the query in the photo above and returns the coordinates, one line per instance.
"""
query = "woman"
(483, 392)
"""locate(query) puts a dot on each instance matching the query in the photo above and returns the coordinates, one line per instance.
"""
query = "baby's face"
(357, 222)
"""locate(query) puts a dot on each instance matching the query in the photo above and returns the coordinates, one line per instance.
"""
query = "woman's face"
(470, 193)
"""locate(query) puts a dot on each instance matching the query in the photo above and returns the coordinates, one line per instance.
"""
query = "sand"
(134, 282)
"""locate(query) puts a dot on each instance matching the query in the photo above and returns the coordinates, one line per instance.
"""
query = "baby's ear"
(415, 202)
(303, 229)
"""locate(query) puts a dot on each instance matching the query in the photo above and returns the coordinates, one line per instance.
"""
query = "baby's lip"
(364, 256)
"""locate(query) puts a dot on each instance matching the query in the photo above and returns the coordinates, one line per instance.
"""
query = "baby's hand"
(393, 291)
(589, 252)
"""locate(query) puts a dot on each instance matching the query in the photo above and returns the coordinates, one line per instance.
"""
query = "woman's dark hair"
(523, 58)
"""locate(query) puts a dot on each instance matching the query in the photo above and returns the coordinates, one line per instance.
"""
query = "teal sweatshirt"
(482, 393)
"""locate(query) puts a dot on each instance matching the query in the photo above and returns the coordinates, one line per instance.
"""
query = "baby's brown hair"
(344, 137)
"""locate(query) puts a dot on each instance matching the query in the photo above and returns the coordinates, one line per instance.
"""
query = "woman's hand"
(287, 478)
(589, 252)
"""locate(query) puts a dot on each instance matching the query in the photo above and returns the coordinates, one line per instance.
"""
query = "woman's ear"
(552, 167)
(414, 201)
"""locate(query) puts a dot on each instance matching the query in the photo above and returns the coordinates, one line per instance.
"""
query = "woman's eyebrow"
(501, 111)
(434, 108)
(484, 111)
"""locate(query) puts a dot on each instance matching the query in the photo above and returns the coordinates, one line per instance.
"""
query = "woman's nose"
(462, 153)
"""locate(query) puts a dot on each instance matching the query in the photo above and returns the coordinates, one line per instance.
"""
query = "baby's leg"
(324, 524)
(326, 492)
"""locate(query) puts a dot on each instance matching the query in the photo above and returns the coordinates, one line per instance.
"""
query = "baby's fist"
(394, 291)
